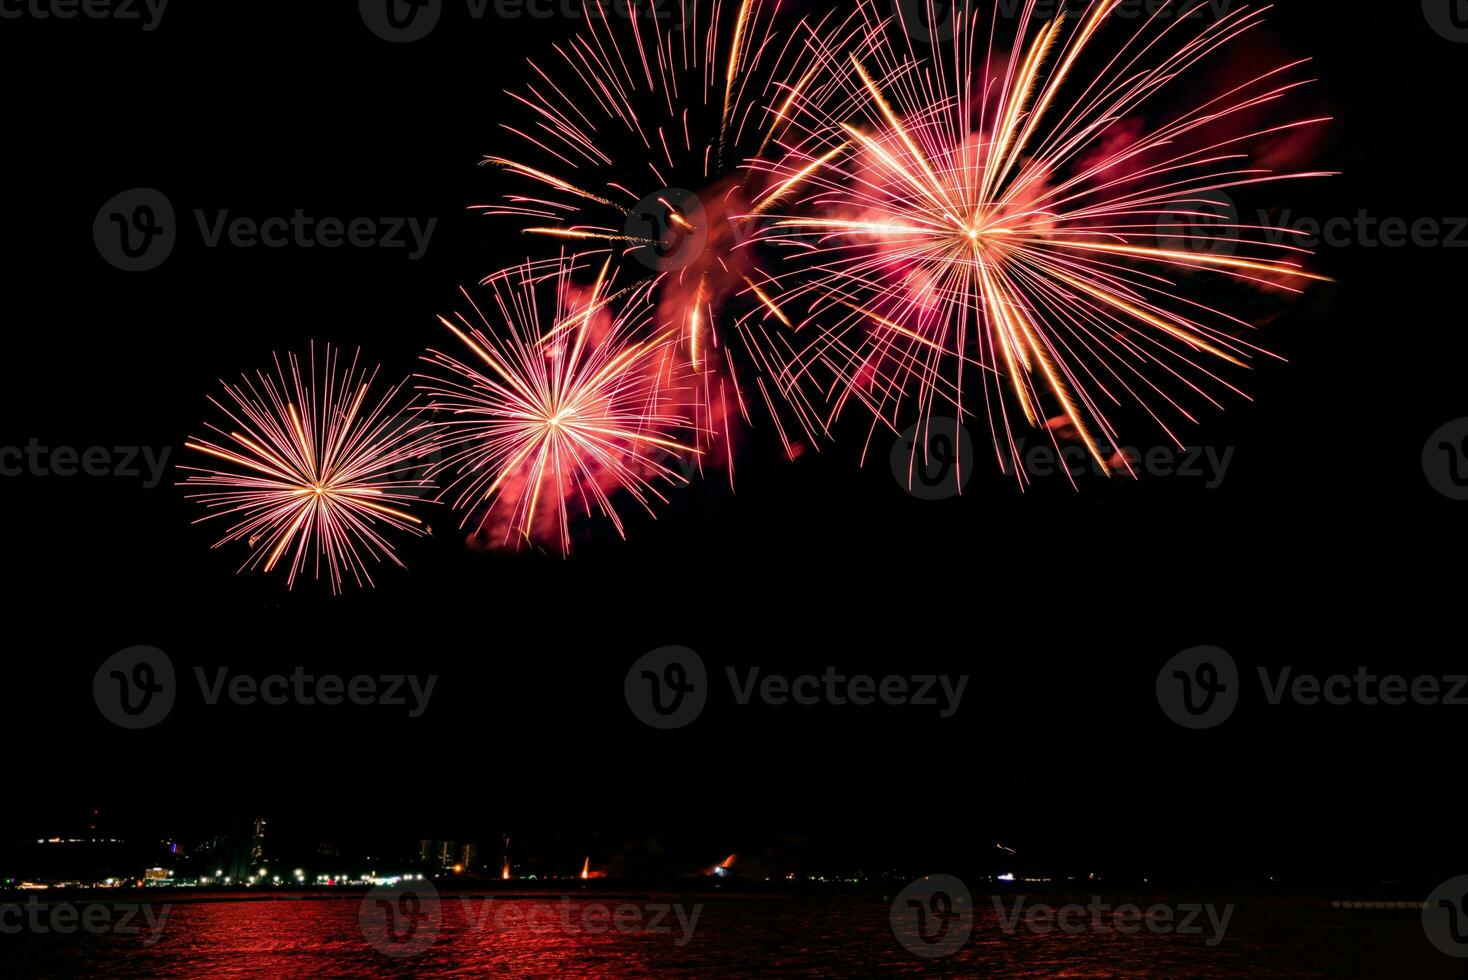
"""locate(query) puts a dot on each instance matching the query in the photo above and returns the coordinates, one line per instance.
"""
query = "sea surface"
(612, 935)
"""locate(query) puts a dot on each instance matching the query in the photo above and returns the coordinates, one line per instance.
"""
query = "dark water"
(609, 935)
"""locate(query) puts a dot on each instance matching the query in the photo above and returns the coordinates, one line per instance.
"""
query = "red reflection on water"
(399, 933)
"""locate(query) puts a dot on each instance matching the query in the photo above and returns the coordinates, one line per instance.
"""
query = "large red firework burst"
(311, 471)
(561, 397)
(954, 213)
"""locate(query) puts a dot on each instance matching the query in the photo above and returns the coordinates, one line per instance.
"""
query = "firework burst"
(567, 397)
(636, 135)
(955, 213)
(311, 472)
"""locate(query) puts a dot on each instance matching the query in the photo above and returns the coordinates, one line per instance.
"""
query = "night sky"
(1325, 548)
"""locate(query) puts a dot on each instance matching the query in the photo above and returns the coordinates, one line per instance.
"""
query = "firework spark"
(636, 134)
(568, 397)
(955, 212)
(311, 471)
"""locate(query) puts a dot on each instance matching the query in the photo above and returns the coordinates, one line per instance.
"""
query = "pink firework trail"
(311, 471)
(955, 213)
(637, 134)
(561, 398)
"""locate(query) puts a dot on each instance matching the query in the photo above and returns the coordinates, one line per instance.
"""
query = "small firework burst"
(310, 471)
(956, 213)
(568, 396)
